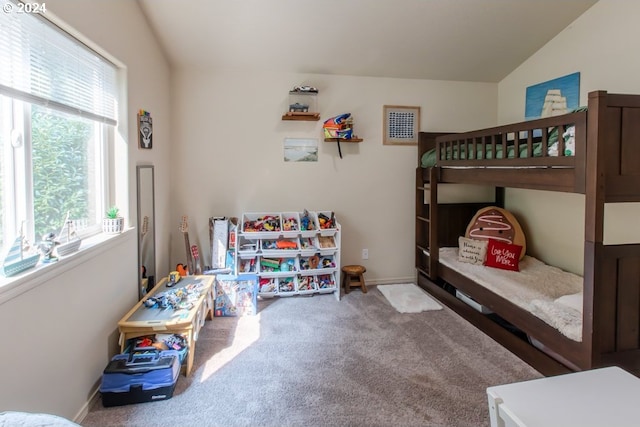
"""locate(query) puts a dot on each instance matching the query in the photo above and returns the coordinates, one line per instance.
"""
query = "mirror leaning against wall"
(146, 229)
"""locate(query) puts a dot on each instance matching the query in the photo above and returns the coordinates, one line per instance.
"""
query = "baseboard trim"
(391, 281)
(84, 411)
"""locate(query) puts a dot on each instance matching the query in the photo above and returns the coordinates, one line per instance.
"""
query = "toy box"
(307, 285)
(279, 247)
(326, 283)
(308, 223)
(262, 225)
(268, 287)
(290, 224)
(140, 377)
(287, 286)
(327, 223)
(236, 295)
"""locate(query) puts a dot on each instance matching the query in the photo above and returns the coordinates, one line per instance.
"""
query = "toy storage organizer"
(293, 253)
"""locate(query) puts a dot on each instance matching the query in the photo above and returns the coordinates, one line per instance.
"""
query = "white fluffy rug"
(408, 298)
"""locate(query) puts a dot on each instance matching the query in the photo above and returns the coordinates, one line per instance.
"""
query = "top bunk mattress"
(549, 293)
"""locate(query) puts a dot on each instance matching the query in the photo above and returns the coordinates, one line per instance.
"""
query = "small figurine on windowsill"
(46, 247)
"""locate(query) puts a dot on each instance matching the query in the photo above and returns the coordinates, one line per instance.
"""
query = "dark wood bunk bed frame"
(605, 168)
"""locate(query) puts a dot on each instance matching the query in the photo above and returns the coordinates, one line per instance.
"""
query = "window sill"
(11, 287)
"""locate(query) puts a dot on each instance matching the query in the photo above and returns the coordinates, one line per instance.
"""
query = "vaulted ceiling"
(463, 40)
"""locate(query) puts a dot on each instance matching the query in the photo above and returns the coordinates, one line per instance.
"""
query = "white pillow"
(572, 301)
(472, 251)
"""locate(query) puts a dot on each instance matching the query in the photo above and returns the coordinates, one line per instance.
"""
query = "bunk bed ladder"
(426, 261)
(434, 251)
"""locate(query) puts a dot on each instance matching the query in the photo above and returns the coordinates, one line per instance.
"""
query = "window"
(58, 109)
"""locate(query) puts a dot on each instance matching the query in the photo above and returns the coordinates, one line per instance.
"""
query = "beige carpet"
(408, 298)
(315, 361)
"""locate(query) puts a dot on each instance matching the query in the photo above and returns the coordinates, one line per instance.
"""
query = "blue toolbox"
(145, 375)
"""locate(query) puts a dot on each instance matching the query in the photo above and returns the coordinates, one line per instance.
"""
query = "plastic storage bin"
(267, 287)
(327, 223)
(326, 283)
(140, 377)
(307, 285)
(287, 286)
(308, 223)
(279, 247)
(290, 224)
(262, 225)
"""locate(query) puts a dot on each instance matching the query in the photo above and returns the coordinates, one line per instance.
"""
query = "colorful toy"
(290, 224)
(286, 244)
(306, 283)
(286, 284)
(313, 262)
(174, 277)
(306, 222)
(338, 127)
(182, 270)
(269, 264)
(267, 285)
(325, 221)
(263, 223)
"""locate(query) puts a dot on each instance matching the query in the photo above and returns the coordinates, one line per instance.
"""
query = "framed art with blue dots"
(401, 125)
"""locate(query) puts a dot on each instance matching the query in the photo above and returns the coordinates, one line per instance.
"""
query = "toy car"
(300, 108)
(305, 89)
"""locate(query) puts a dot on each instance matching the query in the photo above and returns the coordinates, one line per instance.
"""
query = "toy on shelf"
(289, 224)
(306, 221)
(302, 104)
(326, 222)
(262, 223)
(340, 128)
(267, 286)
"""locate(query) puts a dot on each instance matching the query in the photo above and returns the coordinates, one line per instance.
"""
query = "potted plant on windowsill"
(113, 223)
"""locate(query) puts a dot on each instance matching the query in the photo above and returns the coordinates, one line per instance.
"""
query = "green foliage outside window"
(60, 169)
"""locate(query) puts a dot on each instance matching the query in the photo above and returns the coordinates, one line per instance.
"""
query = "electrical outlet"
(365, 254)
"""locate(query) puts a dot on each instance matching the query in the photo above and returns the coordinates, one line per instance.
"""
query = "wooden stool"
(352, 277)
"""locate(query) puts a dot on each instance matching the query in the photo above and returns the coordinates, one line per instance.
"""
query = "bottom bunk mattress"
(549, 293)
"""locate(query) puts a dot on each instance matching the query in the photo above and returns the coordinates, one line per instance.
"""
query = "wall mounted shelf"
(343, 140)
(311, 117)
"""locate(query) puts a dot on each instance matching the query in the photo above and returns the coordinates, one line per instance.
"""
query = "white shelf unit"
(288, 258)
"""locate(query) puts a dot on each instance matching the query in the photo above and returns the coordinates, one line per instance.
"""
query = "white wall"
(60, 335)
(601, 45)
(228, 137)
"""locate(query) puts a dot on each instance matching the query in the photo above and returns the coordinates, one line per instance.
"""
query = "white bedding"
(549, 293)
(28, 419)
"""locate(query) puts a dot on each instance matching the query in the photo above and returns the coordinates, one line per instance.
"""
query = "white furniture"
(290, 258)
(596, 398)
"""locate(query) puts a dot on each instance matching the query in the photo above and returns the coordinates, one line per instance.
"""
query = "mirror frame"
(146, 205)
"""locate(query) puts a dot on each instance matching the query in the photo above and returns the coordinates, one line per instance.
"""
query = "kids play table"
(142, 320)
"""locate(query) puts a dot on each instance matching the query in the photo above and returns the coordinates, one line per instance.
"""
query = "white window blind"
(42, 64)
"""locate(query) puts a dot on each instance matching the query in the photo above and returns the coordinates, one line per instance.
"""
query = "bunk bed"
(603, 164)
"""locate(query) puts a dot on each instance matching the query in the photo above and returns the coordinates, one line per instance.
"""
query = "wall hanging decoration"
(300, 149)
(145, 129)
(401, 125)
(553, 97)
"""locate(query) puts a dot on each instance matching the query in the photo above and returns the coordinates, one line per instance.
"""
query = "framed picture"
(145, 130)
(553, 97)
(401, 125)
(300, 149)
